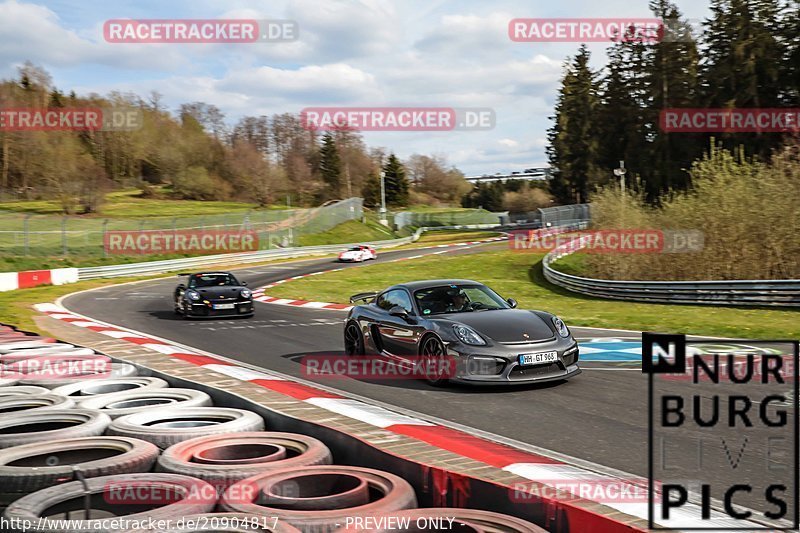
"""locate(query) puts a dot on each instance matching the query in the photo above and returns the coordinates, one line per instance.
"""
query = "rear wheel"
(353, 339)
(434, 357)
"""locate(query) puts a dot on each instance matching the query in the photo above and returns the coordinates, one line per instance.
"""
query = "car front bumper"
(199, 310)
(474, 365)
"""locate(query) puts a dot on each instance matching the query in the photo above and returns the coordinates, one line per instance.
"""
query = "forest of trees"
(196, 154)
(746, 55)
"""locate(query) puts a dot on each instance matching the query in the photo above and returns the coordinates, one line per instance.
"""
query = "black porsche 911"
(483, 337)
(213, 294)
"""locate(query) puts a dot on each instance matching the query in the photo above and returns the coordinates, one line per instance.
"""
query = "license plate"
(538, 358)
(224, 306)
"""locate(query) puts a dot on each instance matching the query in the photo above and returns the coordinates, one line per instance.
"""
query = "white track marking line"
(370, 414)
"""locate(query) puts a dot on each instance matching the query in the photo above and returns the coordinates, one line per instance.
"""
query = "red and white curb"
(259, 296)
(525, 464)
(11, 281)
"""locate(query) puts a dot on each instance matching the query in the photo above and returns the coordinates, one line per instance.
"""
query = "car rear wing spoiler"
(364, 297)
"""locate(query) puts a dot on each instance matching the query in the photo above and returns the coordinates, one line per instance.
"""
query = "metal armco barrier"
(775, 293)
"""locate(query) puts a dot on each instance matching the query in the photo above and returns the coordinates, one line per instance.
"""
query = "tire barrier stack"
(107, 451)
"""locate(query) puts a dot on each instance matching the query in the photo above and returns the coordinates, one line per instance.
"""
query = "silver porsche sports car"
(484, 337)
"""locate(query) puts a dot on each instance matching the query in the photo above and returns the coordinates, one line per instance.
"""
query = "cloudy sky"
(446, 53)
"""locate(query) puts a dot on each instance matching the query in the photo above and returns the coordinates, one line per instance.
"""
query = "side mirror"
(512, 302)
(244, 284)
(398, 311)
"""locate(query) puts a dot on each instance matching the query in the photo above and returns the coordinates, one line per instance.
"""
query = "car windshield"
(356, 249)
(212, 280)
(458, 299)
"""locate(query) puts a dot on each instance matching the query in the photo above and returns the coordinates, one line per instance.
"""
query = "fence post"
(64, 235)
(105, 230)
(26, 234)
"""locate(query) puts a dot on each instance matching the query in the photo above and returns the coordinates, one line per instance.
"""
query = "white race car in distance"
(357, 254)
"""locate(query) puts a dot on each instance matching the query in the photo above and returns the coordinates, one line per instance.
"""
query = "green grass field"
(49, 232)
(431, 238)
(349, 232)
(128, 204)
(519, 276)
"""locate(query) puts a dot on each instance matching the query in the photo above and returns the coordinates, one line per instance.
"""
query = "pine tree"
(671, 71)
(395, 182)
(372, 191)
(790, 66)
(330, 167)
(742, 64)
(573, 144)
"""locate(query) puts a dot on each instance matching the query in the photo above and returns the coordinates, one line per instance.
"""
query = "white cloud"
(350, 53)
(33, 32)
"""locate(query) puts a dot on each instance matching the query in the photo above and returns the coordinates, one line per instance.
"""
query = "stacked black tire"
(129, 446)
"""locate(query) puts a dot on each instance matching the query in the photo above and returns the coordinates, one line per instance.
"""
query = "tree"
(671, 73)
(573, 145)
(487, 196)
(330, 167)
(372, 191)
(434, 182)
(742, 65)
(253, 176)
(525, 199)
(395, 182)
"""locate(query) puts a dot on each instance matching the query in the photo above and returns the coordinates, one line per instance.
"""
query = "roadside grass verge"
(430, 238)
(351, 231)
(519, 276)
(16, 306)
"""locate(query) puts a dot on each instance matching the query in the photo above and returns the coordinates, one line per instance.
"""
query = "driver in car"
(458, 301)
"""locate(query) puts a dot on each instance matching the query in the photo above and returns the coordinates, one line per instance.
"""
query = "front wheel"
(353, 340)
(434, 357)
(185, 313)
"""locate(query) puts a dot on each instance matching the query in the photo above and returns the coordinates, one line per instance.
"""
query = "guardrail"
(156, 267)
(773, 293)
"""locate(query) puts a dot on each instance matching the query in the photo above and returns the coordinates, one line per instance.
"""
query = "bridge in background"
(529, 174)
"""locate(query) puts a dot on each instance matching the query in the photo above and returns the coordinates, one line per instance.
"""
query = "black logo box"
(677, 344)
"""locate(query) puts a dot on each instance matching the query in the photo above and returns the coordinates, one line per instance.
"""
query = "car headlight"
(245, 293)
(468, 335)
(560, 327)
(192, 295)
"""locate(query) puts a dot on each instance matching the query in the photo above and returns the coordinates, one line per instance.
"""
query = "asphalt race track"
(600, 416)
